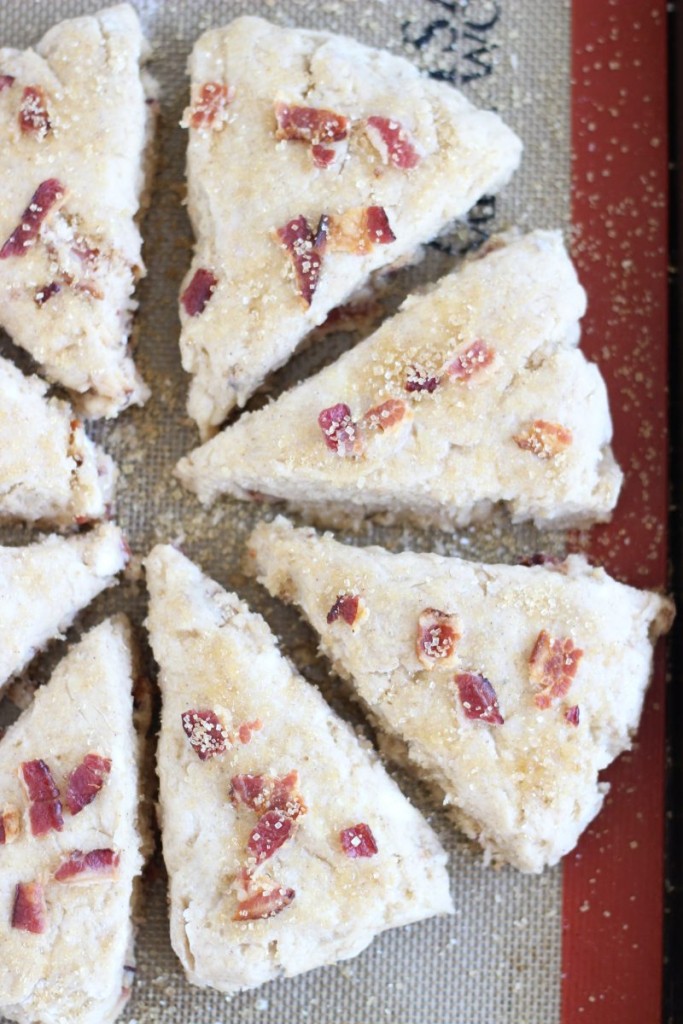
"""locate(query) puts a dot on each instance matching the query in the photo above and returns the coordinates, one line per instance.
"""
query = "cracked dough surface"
(453, 455)
(243, 183)
(215, 654)
(526, 789)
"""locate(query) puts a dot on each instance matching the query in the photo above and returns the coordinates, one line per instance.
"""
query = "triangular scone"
(44, 585)
(50, 470)
(70, 850)
(76, 124)
(473, 394)
(313, 161)
(509, 687)
(286, 843)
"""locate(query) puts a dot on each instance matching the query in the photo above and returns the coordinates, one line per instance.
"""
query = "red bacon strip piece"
(358, 841)
(478, 698)
(46, 292)
(102, 863)
(306, 252)
(199, 291)
(33, 114)
(6, 81)
(86, 781)
(475, 358)
(346, 607)
(45, 812)
(262, 793)
(543, 439)
(386, 415)
(419, 379)
(341, 433)
(553, 664)
(29, 913)
(271, 831)
(323, 156)
(437, 637)
(359, 229)
(210, 108)
(206, 733)
(573, 715)
(47, 194)
(393, 142)
(246, 730)
(310, 124)
(264, 903)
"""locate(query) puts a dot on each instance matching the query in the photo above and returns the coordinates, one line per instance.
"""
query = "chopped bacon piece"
(544, 440)
(478, 698)
(246, 729)
(342, 434)
(323, 156)
(10, 821)
(393, 142)
(437, 638)
(45, 812)
(264, 903)
(419, 380)
(29, 913)
(473, 359)
(540, 559)
(346, 607)
(6, 81)
(573, 715)
(553, 663)
(199, 291)
(46, 292)
(388, 414)
(206, 733)
(48, 193)
(358, 841)
(271, 831)
(33, 114)
(262, 793)
(306, 251)
(95, 863)
(359, 229)
(86, 781)
(210, 109)
(310, 124)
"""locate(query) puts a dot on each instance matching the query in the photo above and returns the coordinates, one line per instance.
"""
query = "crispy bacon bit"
(10, 821)
(388, 414)
(33, 115)
(306, 251)
(99, 863)
(272, 830)
(572, 715)
(210, 109)
(540, 559)
(246, 729)
(310, 124)
(86, 781)
(206, 733)
(48, 193)
(419, 380)
(264, 903)
(437, 637)
(46, 293)
(358, 841)
(198, 292)
(263, 793)
(544, 440)
(359, 229)
(342, 434)
(29, 913)
(45, 812)
(6, 81)
(552, 666)
(323, 156)
(478, 698)
(346, 607)
(393, 142)
(473, 359)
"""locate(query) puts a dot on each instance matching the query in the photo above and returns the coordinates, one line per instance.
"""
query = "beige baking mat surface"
(497, 960)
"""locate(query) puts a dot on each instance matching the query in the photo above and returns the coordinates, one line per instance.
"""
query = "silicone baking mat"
(583, 84)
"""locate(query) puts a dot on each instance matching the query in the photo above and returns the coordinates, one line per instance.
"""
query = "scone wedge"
(71, 846)
(313, 162)
(473, 395)
(51, 473)
(44, 585)
(508, 687)
(286, 843)
(76, 123)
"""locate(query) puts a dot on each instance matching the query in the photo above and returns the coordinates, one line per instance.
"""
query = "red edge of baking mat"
(612, 948)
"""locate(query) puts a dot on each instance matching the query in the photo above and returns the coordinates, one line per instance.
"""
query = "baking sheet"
(498, 959)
